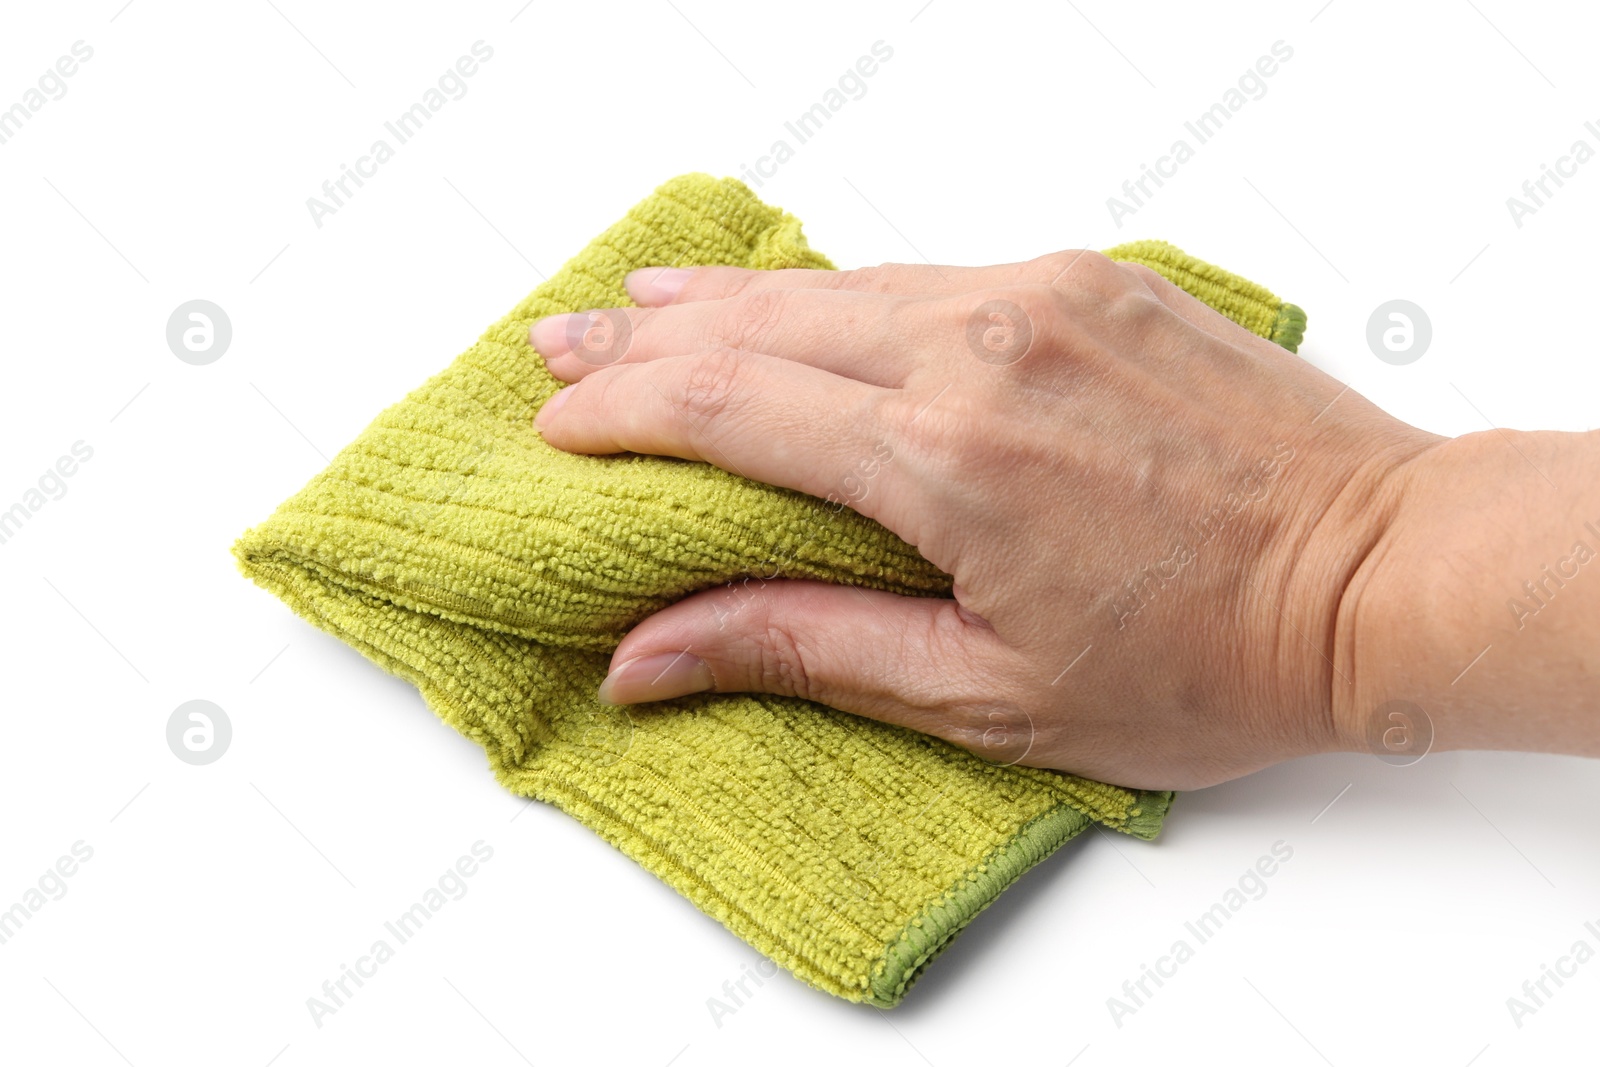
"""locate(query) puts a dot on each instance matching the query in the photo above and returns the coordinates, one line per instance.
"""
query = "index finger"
(658, 286)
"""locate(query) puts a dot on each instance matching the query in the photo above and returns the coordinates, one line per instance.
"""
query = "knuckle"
(882, 278)
(1137, 300)
(1151, 291)
(936, 432)
(1003, 325)
(1148, 275)
(1051, 267)
(713, 282)
(1097, 287)
(1073, 267)
(712, 381)
(782, 663)
(744, 320)
(1039, 303)
(1097, 265)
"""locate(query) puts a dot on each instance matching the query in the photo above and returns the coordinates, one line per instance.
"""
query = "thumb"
(918, 662)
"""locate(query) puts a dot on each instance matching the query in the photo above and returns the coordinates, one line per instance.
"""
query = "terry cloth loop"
(453, 547)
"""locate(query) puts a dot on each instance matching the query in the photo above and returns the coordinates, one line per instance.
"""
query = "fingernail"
(554, 335)
(650, 286)
(551, 406)
(659, 677)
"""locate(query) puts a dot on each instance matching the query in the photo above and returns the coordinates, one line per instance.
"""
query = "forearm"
(1480, 604)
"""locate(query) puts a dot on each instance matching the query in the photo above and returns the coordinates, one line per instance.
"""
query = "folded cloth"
(454, 548)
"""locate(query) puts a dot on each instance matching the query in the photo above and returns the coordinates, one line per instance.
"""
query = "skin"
(1180, 553)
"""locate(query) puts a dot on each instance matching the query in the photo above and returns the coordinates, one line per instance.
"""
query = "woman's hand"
(1163, 529)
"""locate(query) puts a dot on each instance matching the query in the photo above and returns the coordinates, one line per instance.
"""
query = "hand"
(1162, 529)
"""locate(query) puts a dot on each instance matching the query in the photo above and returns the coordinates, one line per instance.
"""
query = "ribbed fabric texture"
(454, 548)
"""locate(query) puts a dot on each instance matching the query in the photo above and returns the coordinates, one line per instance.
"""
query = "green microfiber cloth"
(454, 548)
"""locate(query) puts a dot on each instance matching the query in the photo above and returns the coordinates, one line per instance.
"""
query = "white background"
(219, 898)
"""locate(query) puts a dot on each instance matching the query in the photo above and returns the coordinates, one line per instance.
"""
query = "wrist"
(1344, 575)
(1471, 622)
